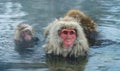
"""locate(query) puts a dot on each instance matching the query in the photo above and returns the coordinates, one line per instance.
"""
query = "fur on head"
(20, 28)
(86, 22)
(54, 42)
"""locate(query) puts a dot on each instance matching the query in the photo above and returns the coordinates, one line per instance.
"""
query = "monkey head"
(66, 37)
(24, 32)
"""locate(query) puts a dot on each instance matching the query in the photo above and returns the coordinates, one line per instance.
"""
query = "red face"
(27, 36)
(68, 36)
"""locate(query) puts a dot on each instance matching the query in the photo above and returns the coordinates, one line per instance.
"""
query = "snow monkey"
(24, 35)
(70, 35)
(65, 37)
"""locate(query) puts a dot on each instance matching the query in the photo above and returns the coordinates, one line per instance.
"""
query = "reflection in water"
(24, 51)
(22, 66)
(56, 63)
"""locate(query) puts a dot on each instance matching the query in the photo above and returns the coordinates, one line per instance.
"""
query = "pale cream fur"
(53, 43)
(22, 27)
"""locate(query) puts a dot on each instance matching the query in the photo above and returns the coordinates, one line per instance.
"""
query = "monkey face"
(68, 36)
(26, 35)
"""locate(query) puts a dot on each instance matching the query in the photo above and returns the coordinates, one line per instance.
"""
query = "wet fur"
(54, 42)
(88, 25)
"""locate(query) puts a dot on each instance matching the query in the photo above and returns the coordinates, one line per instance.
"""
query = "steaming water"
(39, 13)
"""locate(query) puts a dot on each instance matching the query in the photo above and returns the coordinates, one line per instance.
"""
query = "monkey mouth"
(68, 43)
(28, 38)
(68, 40)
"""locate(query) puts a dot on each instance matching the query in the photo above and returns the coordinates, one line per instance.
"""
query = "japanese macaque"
(65, 37)
(24, 36)
(87, 24)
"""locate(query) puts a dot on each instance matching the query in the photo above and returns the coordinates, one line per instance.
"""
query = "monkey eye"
(72, 32)
(65, 32)
(27, 32)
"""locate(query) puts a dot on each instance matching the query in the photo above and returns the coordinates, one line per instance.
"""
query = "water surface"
(39, 13)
